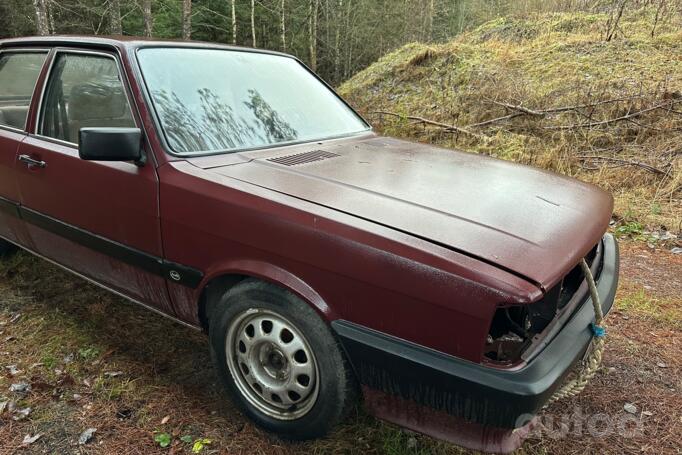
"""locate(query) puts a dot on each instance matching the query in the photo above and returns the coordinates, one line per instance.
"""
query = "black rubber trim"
(95, 242)
(177, 273)
(485, 395)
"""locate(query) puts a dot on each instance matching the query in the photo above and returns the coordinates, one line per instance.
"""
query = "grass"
(644, 304)
(557, 60)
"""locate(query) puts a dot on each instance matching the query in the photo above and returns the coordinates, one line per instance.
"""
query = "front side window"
(19, 72)
(83, 91)
(212, 100)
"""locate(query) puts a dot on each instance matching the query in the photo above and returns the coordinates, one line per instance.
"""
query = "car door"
(19, 72)
(100, 219)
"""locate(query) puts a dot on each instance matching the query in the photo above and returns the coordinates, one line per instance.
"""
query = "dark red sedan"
(232, 190)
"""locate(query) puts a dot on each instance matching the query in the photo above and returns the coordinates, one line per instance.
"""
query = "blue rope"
(598, 331)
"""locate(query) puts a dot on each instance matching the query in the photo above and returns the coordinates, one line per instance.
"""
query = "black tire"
(6, 248)
(336, 385)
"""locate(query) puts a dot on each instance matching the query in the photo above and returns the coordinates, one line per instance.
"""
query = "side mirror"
(110, 144)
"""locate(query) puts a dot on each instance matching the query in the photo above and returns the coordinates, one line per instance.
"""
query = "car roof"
(120, 42)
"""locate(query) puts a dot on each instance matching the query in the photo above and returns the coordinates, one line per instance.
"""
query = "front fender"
(276, 275)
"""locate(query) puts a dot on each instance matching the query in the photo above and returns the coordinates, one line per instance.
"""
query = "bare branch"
(425, 121)
(543, 112)
(522, 109)
(495, 120)
(624, 162)
(610, 121)
(556, 110)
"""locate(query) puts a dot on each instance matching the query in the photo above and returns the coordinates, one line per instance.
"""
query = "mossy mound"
(605, 112)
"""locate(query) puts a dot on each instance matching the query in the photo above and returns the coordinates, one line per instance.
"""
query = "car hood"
(530, 222)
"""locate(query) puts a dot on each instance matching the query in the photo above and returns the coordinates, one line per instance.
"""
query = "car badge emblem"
(175, 276)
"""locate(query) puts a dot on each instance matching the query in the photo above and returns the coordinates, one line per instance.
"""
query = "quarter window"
(83, 91)
(19, 72)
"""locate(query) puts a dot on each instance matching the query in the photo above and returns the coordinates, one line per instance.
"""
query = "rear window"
(19, 72)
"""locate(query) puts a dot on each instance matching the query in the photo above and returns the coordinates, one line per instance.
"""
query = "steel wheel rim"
(272, 364)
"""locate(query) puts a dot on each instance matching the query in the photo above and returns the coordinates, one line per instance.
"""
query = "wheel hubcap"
(272, 364)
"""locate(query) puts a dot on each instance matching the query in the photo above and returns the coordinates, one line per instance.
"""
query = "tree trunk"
(147, 17)
(253, 23)
(337, 42)
(186, 19)
(432, 12)
(234, 22)
(348, 39)
(42, 25)
(50, 18)
(284, 29)
(314, 7)
(116, 28)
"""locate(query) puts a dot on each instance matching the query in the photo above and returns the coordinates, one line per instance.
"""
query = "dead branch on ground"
(425, 121)
(623, 162)
(521, 111)
(610, 121)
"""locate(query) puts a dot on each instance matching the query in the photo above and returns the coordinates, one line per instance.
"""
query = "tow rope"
(593, 361)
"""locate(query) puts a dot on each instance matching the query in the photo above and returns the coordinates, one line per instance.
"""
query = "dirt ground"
(93, 361)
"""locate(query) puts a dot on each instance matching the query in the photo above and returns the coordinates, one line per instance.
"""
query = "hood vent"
(302, 158)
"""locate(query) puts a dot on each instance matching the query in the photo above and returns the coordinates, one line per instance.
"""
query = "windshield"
(211, 100)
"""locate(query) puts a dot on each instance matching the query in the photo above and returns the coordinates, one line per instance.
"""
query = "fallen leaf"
(21, 414)
(199, 445)
(86, 436)
(676, 251)
(165, 420)
(13, 370)
(630, 408)
(28, 439)
(3, 406)
(661, 365)
(20, 387)
(112, 374)
(647, 413)
(15, 318)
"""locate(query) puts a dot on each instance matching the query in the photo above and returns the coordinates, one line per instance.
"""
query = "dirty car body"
(450, 279)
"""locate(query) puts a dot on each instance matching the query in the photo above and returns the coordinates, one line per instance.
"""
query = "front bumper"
(476, 393)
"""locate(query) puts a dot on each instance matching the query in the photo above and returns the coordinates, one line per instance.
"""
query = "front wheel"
(279, 361)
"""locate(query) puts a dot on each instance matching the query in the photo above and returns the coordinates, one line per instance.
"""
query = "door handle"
(31, 163)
